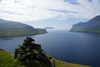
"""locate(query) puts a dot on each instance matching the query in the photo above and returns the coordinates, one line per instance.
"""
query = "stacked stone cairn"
(30, 51)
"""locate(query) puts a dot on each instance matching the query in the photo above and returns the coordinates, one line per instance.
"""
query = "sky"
(60, 14)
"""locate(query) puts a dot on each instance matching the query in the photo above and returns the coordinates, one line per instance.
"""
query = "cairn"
(29, 51)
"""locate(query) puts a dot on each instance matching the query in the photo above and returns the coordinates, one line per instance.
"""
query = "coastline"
(23, 35)
(85, 32)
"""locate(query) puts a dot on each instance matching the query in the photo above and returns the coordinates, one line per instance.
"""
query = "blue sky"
(60, 14)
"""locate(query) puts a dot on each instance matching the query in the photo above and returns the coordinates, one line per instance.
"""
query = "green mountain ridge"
(11, 28)
(95, 20)
(92, 26)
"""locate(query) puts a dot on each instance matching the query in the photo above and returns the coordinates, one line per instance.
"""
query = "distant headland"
(11, 28)
(48, 28)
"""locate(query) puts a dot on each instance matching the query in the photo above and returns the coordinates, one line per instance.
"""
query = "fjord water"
(73, 47)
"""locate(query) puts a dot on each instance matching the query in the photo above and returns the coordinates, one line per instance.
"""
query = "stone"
(37, 46)
(29, 51)
(13, 55)
(35, 52)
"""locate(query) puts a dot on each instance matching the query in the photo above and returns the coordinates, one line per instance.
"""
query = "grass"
(59, 63)
(7, 61)
(88, 29)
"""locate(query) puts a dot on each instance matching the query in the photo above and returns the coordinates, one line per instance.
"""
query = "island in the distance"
(48, 28)
(11, 28)
(92, 26)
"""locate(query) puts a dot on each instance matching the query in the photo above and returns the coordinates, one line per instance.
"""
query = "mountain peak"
(98, 16)
(95, 20)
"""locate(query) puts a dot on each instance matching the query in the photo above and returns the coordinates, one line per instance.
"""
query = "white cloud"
(62, 18)
(34, 10)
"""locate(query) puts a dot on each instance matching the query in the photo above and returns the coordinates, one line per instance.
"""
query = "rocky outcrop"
(29, 51)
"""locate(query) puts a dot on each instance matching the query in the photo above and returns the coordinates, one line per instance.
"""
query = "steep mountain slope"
(92, 26)
(95, 20)
(10, 28)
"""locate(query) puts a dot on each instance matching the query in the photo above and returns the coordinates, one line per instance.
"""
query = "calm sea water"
(80, 48)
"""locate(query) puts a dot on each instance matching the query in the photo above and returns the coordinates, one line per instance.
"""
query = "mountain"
(92, 26)
(95, 20)
(11, 28)
(48, 28)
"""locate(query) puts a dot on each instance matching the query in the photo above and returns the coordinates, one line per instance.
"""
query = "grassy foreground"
(7, 61)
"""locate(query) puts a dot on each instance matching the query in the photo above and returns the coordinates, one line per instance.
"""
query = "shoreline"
(85, 32)
(23, 35)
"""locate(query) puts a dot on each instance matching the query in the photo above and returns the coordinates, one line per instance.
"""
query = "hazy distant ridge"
(48, 28)
(92, 26)
(10, 28)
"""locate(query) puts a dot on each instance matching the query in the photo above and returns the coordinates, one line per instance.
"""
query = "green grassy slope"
(7, 61)
(10, 28)
(92, 26)
(40, 31)
(88, 30)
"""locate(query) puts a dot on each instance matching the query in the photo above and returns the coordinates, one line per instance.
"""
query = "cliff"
(92, 26)
(11, 28)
